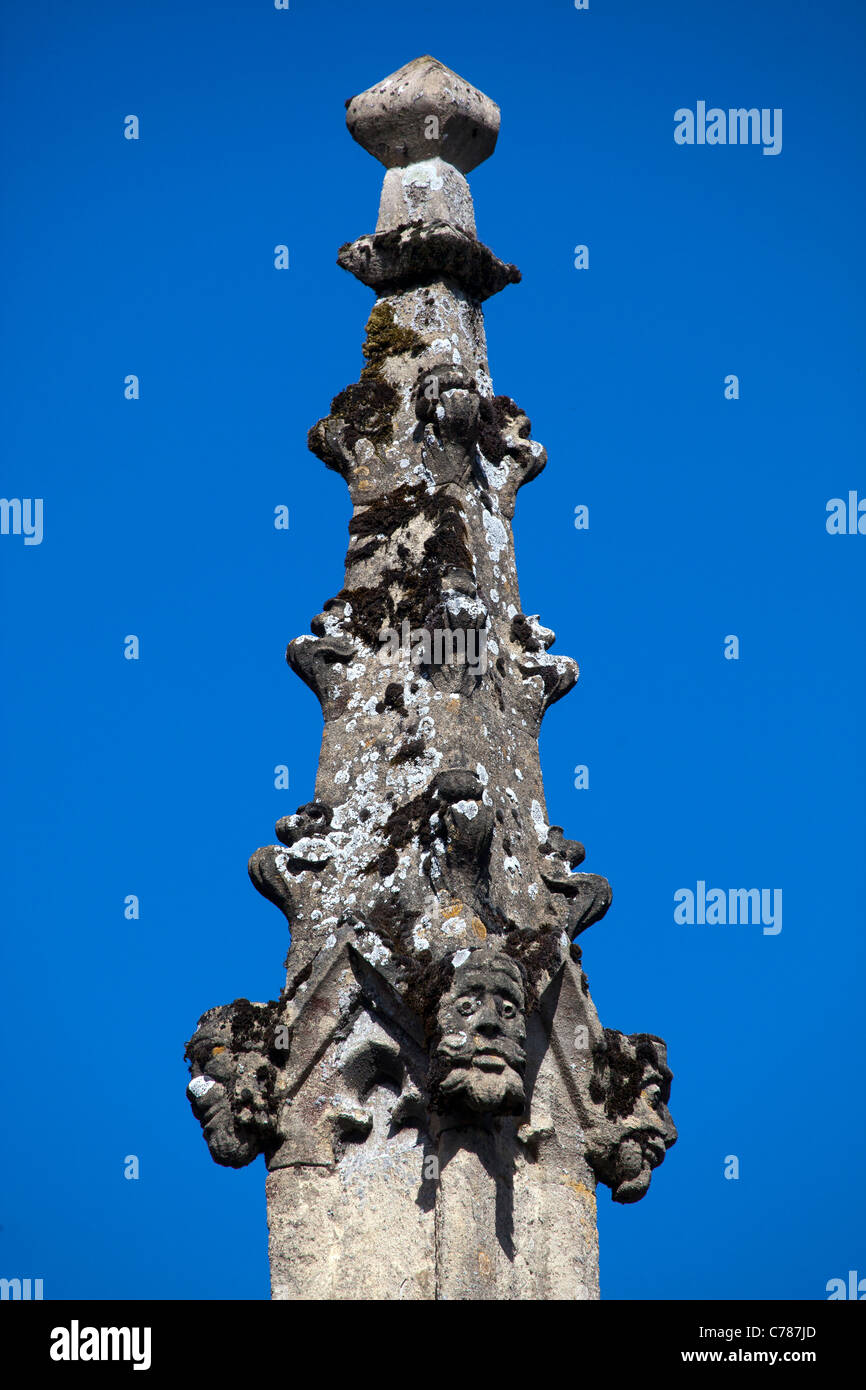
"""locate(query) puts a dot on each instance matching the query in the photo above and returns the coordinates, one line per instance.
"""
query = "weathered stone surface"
(433, 1093)
(422, 253)
(429, 191)
(421, 111)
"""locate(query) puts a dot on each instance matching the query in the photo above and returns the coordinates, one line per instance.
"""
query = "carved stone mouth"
(489, 1061)
(212, 1122)
(656, 1149)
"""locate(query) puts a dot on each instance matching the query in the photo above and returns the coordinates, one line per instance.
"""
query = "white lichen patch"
(495, 534)
(200, 1085)
(422, 175)
(372, 949)
(496, 475)
(539, 823)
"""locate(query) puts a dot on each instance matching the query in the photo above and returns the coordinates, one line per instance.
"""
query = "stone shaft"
(433, 1093)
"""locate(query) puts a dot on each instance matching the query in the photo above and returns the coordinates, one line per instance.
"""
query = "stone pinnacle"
(433, 1092)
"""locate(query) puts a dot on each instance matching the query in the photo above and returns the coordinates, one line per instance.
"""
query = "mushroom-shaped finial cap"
(423, 111)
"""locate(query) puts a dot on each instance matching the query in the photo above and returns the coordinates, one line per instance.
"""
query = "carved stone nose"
(487, 1023)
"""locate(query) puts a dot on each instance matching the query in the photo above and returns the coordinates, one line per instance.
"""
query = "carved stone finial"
(429, 128)
(422, 111)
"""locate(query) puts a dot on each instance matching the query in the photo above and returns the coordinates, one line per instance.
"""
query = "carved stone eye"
(467, 1005)
(507, 1009)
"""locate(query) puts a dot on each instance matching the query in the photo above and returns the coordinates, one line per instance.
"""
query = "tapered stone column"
(433, 1093)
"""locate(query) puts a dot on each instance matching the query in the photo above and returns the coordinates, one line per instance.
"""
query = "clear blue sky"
(707, 518)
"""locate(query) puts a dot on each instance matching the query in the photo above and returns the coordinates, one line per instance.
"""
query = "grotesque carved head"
(630, 1088)
(224, 1091)
(478, 1053)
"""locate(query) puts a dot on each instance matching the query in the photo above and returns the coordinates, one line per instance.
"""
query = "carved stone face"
(634, 1129)
(650, 1130)
(212, 1089)
(479, 1055)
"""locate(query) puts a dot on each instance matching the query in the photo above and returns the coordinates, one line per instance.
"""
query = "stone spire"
(433, 1093)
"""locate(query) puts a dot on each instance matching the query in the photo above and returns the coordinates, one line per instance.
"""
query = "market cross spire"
(433, 1093)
